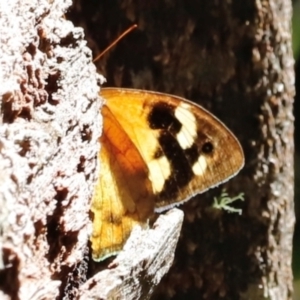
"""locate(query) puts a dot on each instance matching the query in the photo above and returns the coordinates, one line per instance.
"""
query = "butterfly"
(157, 151)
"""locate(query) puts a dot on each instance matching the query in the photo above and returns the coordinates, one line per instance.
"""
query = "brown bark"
(235, 58)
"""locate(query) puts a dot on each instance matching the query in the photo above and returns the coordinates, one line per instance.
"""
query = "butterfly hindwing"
(182, 150)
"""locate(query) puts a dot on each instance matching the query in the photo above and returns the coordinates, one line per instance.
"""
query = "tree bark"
(137, 270)
(50, 124)
(235, 58)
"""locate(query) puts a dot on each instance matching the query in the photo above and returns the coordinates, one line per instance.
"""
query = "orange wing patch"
(123, 194)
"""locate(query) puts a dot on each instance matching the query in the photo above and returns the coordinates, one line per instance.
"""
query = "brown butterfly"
(157, 151)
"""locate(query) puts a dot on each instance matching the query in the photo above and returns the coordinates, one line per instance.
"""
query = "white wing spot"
(159, 171)
(200, 166)
(188, 133)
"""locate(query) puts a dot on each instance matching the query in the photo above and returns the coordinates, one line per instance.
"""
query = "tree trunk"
(50, 125)
(49, 131)
(234, 58)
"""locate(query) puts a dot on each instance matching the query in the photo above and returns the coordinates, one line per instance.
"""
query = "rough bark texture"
(138, 269)
(50, 124)
(49, 128)
(235, 58)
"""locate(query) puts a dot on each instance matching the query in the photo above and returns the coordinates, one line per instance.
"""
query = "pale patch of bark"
(138, 269)
(50, 124)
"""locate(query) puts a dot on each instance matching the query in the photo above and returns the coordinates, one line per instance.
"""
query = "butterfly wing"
(158, 151)
(123, 194)
(186, 149)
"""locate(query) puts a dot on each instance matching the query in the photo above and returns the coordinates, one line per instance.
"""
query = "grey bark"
(49, 129)
(139, 268)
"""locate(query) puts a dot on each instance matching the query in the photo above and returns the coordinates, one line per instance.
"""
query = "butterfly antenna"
(115, 41)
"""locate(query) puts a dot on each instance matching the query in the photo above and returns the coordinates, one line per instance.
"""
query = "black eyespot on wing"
(207, 148)
(162, 116)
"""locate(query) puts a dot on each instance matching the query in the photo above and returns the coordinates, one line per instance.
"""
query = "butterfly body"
(158, 151)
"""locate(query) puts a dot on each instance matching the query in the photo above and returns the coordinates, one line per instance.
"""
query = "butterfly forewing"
(123, 194)
(158, 150)
(186, 149)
